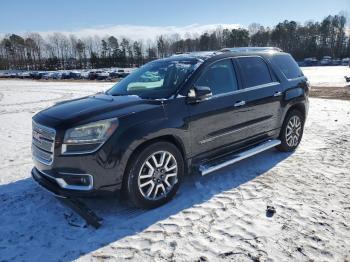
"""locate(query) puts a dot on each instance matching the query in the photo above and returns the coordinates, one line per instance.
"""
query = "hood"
(86, 107)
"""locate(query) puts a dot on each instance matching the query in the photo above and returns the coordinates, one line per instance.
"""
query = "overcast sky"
(138, 19)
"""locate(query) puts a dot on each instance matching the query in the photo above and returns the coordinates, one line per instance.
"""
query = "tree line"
(58, 51)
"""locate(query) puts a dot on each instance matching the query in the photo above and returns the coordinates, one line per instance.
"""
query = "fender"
(134, 136)
(293, 97)
(294, 93)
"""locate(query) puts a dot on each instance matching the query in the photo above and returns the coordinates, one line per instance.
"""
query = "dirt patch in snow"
(328, 92)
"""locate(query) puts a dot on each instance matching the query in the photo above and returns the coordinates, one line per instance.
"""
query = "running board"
(209, 168)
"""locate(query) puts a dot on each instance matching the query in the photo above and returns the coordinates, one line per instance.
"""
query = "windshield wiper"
(119, 94)
(131, 95)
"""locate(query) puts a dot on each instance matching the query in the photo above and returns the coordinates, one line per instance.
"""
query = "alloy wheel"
(158, 175)
(293, 131)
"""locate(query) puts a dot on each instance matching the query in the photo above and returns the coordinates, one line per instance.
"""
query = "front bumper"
(50, 184)
(103, 169)
(68, 198)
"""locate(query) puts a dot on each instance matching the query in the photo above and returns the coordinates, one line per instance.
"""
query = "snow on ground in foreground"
(327, 75)
(215, 218)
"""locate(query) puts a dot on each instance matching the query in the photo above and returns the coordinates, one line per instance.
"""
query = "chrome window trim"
(240, 88)
(245, 90)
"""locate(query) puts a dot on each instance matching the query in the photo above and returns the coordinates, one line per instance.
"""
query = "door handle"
(239, 103)
(277, 93)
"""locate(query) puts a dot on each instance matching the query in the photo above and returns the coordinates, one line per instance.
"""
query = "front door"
(210, 119)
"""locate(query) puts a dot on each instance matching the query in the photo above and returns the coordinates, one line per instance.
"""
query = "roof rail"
(251, 49)
(198, 54)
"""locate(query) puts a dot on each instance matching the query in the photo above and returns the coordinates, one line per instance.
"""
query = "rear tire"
(292, 131)
(155, 175)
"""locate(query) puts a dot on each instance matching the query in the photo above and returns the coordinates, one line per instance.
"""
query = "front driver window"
(220, 77)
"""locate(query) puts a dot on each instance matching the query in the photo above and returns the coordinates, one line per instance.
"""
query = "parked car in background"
(24, 75)
(310, 61)
(13, 74)
(113, 74)
(56, 75)
(345, 61)
(336, 62)
(47, 75)
(85, 74)
(65, 75)
(103, 75)
(37, 75)
(326, 60)
(33, 74)
(93, 74)
(4, 74)
(74, 75)
(122, 73)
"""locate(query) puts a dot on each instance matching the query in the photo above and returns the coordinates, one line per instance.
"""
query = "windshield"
(158, 79)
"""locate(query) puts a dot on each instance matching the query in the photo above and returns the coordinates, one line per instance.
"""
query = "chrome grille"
(43, 143)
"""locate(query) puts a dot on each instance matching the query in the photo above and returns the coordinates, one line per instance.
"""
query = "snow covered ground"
(214, 218)
(332, 76)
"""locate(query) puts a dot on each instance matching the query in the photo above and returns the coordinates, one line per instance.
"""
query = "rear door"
(260, 97)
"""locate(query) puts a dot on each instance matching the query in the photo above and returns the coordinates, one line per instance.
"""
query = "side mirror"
(198, 94)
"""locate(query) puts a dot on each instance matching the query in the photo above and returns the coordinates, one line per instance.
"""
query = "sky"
(148, 18)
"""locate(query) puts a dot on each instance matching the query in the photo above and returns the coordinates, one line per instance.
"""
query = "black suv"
(189, 113)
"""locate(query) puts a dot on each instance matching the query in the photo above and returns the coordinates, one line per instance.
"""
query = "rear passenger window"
(287, 65)
(255, 71)
(220, 77)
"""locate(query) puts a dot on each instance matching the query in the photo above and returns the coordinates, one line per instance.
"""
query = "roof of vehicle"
(228, 52)
(251, 49)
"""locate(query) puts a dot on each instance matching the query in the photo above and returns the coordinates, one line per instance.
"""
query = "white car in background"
(345, 61)
(326, 60)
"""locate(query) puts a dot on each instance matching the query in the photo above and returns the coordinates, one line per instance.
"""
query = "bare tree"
(59, 51)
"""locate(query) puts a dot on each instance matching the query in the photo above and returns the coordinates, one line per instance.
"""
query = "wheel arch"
(165, 138)
(299, 107)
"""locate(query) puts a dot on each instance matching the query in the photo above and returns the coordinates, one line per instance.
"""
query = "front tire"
(154, 175)
(292, 131)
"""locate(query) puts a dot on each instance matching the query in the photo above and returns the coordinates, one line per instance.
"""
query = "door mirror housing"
(199, 93)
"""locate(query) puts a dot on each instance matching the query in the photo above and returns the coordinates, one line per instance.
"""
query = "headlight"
(89, 137)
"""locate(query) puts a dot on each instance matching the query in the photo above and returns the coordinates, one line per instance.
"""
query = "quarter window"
(220, 77)
(255, 71)
(287, 65)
